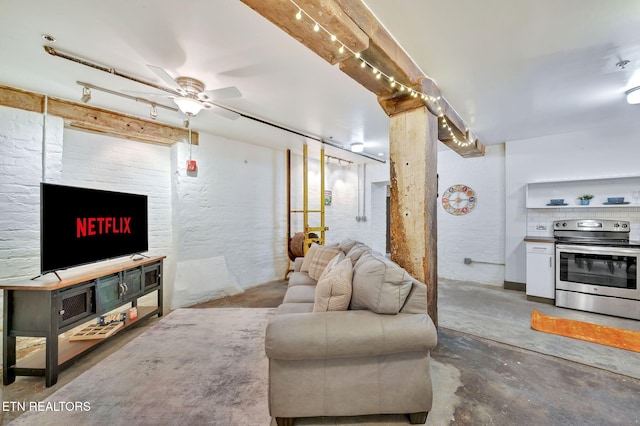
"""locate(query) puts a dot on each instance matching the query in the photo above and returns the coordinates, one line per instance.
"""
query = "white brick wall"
(545, 217)
(103, 162)
(230, 218)
(346, 184)
(21, 159)
(478, 235)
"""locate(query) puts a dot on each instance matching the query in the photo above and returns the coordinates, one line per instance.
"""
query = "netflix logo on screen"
(89, 226)
(83, 225)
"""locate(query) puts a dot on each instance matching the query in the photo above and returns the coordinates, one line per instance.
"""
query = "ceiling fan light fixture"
(633, 95)
(189, 106)
(357, 147)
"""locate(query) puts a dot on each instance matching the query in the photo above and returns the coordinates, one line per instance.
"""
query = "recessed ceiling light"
(49, 38)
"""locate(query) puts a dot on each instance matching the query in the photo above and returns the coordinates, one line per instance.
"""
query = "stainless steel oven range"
(597, 267)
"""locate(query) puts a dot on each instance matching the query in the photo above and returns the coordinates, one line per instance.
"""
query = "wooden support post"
(413, 158)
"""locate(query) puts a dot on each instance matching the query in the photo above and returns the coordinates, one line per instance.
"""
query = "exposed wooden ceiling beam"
(327, 13)
(354, 24)
(94, 119)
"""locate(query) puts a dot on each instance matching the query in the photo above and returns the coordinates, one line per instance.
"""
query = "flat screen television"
(82, 225)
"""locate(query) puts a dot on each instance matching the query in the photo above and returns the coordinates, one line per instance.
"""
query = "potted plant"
(584, 199)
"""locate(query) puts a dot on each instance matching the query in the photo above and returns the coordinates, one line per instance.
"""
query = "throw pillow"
(356, 251)
(333, 262)
(333, 292)
(348, 244)
(379, 285)
(306, 260)
(317, 259)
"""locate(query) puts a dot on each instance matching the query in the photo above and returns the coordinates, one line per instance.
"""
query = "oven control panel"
(588, 225)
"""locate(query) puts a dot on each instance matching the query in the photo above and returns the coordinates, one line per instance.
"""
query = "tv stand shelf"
(48, 307)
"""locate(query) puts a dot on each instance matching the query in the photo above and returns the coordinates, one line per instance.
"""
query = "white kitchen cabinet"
(541, 270)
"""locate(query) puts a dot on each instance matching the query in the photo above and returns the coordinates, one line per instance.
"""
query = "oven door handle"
(614, 251)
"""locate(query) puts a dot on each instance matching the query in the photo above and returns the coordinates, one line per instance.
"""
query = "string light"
(391, 79)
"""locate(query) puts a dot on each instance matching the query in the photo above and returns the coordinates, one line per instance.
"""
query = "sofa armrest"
(345, 334)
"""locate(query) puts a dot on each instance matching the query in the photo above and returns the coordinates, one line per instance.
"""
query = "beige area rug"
(193, 367)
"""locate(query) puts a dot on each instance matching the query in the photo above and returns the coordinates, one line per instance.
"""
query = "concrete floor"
(489, 367)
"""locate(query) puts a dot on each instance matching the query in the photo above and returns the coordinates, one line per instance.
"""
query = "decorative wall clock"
(458, 200)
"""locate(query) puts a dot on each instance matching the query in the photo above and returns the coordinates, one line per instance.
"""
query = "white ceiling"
(512, 69)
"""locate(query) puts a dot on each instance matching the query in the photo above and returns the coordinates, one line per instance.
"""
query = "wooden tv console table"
(47, 307)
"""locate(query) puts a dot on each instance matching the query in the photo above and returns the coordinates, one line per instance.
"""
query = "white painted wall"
(596, 151)
(478, 235)
(229, 219)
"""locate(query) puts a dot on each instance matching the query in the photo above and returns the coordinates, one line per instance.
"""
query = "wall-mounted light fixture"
(86, 94)
(633, 95)
(335, 160)
(357, 147)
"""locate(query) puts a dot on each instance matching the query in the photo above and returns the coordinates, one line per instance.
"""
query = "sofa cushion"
(300, 294)
(379, 284)
(416, 302)
(347, 244)
(357, 251)
(317, 259)
(294, 308)
(333, 292)
(300, 278)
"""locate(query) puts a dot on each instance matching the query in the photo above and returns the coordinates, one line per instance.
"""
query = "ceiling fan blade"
(164, 76)
(223, 93)
(222, 111)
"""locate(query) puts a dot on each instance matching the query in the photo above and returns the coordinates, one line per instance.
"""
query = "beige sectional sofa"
(369, 355)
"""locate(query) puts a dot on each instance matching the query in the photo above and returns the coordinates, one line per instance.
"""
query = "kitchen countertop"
(531, 239)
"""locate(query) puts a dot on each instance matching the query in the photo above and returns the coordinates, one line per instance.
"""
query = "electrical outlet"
(467, 261)
(541, 227)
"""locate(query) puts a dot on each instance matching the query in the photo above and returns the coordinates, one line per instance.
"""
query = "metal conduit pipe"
(44, 139)
(358, 192)
(364, 193)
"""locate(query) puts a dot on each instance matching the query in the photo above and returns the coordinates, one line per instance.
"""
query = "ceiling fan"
(190, 96)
